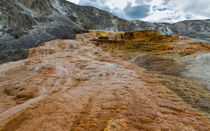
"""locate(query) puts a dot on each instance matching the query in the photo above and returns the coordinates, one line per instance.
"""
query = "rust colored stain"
(74, 85)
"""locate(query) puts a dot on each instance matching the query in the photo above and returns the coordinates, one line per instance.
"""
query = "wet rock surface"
(175, 62)
(74, 85)
(158, 64)
(25, 24)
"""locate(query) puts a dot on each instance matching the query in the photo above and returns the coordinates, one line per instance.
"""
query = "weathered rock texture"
(27, 23)
(197, 29)
(181, 64)
(74, 85)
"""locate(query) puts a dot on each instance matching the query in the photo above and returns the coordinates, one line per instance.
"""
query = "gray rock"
(197, 29)
(26, 24)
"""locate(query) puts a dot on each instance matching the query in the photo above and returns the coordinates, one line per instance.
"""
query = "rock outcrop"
(25, 24)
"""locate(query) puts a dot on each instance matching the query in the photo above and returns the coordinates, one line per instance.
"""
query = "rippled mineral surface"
(108, 81)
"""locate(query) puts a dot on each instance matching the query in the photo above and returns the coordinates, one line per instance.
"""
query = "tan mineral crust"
(107, 81)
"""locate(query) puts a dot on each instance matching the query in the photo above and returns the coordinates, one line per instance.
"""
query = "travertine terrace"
(75, 85)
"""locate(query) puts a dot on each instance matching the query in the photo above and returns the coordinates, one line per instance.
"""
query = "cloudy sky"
(153, 10)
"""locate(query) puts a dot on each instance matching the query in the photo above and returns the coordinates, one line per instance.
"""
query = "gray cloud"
(165, 2)
(140, 10)
(137, 12)
(156, 8)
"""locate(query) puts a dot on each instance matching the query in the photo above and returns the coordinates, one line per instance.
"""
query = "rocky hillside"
(197, 29)
(25, 24)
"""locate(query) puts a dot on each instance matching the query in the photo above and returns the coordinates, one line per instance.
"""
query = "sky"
(153, 10)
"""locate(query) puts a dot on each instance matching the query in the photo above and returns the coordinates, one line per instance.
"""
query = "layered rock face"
(26, 24)
(74, 85)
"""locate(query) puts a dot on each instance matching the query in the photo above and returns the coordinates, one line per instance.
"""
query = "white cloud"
(153, 10)
(194, 7)
(178, 10)
(74, 1)
(119, 4)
